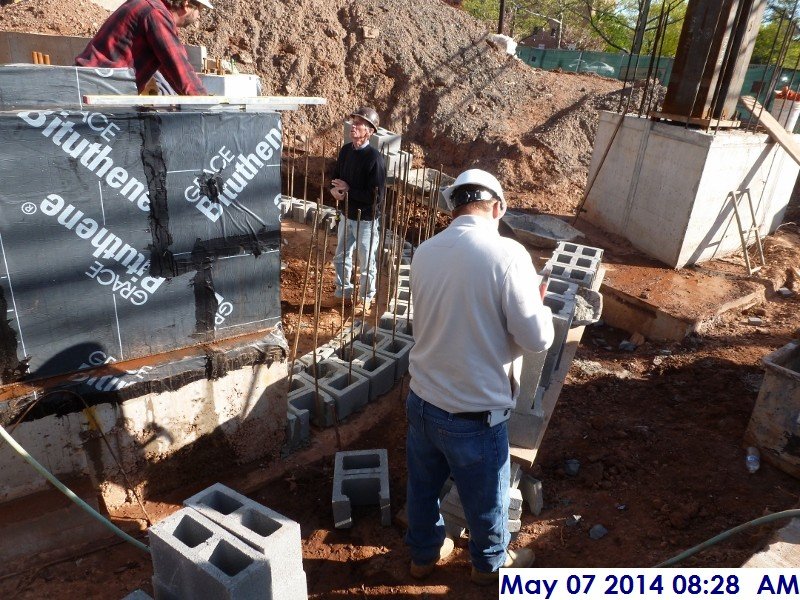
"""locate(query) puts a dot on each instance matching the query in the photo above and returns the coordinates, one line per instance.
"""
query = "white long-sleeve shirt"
(476, 308)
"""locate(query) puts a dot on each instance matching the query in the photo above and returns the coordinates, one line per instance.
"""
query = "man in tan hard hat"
(143, 35)
(358, 185)
(477, 306)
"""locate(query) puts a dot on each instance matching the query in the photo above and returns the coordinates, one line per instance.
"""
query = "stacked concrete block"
(303, 398)
(560, 287)
(398, 348)
(453, 511)
(563, 309)
(402, 309)
(195, 558)
(285, 206)
(360, 478)
(273, 536)
(300, 209)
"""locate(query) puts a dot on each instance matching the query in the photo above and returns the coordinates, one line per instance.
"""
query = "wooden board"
(262, 102)
(705, 123)
(776, 131)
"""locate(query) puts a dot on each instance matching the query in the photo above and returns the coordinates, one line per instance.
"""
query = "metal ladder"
(744, 234)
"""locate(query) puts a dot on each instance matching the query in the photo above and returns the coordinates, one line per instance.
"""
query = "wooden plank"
(706, 123)
(550, 398)
(263, 102)
(776, 131)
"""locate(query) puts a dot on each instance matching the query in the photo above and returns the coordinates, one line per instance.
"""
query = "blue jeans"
(440, 444)
(368, 242)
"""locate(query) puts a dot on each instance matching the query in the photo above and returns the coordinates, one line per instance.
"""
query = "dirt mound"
(428, 68)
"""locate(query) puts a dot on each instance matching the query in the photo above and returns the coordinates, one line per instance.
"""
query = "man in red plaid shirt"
(143, 34)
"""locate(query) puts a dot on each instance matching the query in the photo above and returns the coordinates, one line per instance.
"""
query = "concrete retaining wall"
(244, 411)
(666, 188)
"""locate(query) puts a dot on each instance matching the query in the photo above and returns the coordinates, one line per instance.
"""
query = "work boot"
(422, 571)
(519, 559)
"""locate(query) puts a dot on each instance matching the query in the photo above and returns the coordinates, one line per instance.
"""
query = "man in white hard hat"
(143, 35)
(358, 185)
(477, 306)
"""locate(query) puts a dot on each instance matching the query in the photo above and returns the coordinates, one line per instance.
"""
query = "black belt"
(472, 416)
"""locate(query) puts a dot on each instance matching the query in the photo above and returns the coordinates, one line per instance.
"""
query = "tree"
(778, 39)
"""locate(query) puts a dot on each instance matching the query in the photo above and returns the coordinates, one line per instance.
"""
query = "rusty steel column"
(713, 53)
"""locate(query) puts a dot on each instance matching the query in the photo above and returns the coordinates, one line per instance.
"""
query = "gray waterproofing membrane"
(134, 233)
(30, 86)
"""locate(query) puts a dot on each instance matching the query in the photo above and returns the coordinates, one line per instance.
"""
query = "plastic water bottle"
(753, 459)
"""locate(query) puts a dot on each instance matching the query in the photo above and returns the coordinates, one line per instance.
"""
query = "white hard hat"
(205, 3)
(473, 177)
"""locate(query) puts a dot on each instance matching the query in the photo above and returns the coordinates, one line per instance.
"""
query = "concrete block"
(375, 366)
(303, 399)
(137, 595)
(579, 250)
(516, 475)
(575, 274)
(196, 558)
(298, 431)
(402, 309)
(531, 489)
(514, 525)
(162, 592)
(386, 141)
(524, 427)
(269, 533)
(285, 206)
(515, 499)
(563, 309)
(571, 260)
(349, 389)
(300, 210)
(562, 288)
(360, 478)
(390, 321)
(398, 349)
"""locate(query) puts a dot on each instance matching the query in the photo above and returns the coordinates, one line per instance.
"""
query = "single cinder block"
(378, 368)
(562, 288)
(285, 206)
(300, 209)
(515, 499)
(579, 250)
(563, 310)
(531, 489)
(389, 321)
(360, 478)
(398, 349)
(349, 389)
(402, 309)
(524, 427)
(582, 277)
(270, 533)
(386, 141)
(194, 558)
(571, 260)
(514, 525)
(304, 397)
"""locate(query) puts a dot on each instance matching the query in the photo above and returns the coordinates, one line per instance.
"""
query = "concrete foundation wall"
(246, 409)
(666, 188)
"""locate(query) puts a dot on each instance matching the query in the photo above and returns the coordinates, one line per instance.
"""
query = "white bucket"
(786, 112)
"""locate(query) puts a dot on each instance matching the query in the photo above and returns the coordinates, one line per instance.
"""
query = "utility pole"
(502, 21)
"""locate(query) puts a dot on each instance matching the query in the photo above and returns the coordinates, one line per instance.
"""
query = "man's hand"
(338, 193)
(340, 184)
